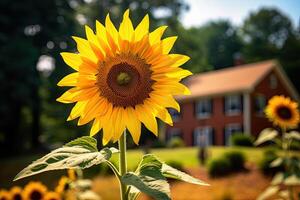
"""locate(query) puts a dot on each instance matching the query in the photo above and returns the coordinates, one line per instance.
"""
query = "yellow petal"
(93, 41)
(142, 29)
(69, 80)
(164, 115)
(86, 80)
(167, 44)
(77, 110)
(165, 101)
(147, 118)
(126, 29)
(111, 29)
(108, 127)
(133, 124)
(179, 59)
(85, 49)
(72, 59)
(88, 67)
(155, 36)
(96, 127)
(68, 96)
(173, 88)
(119, 122)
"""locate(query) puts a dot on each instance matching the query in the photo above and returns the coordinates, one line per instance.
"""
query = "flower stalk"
(123, 164)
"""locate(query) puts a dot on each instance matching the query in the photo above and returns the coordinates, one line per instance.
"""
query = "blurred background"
(34, 32)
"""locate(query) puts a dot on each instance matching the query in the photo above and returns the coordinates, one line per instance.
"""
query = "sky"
(202, 11)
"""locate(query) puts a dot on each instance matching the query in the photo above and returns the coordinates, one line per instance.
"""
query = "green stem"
(123, 164)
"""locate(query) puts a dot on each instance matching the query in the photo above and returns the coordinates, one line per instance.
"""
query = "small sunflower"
(72, 174)
(4, 195)
(34, 191)
(123, 78)
(283, 112)
(16, 193)
(52, 196)
(63, 185)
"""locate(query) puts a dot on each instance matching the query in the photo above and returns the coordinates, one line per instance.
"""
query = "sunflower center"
(284, 112)
(36, 195)
(17, 197)
(125, 80)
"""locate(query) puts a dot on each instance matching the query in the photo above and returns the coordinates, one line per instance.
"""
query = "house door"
(203, 136)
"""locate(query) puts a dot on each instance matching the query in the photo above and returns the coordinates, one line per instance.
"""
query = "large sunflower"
(283, 112)
(34, 191)
(16, 193)
(123, 78)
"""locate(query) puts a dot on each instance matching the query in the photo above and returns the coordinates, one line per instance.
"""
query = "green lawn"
(188, 155)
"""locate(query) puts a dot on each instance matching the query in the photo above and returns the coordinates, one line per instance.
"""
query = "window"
(260, 104)
(203, 108)
(231, 129)
(203, 136)
(174, 132)
(174, 114)
(273, 81)
(233, 104)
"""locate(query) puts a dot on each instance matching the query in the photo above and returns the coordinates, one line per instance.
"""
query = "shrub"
(241, 139)
(176, 164)
(264, 165)
(218, 167)
(236, 160)
(176, 142)
(158, 144)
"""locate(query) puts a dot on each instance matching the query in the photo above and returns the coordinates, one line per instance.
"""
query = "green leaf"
(277, 162)
(80, 153)
(293, 135)
(86, 142)
(133, 193)
(278, 179)
(266, 135)
(171, 172)
(269, 192)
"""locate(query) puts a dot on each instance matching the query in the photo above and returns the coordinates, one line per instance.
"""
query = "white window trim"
(228, 111)
(228, 134)
(206, 114)
(208, 130)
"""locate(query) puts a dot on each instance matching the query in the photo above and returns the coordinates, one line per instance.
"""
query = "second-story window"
(233, 104)
(203, 108)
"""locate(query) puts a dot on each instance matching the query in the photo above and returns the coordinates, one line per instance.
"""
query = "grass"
(188, 155)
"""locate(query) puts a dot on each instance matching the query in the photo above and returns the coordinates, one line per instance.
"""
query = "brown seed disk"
(132, 93)
(284, 112)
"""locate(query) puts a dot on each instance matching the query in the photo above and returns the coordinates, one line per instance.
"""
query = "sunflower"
(63, 185)
(283, 112)
(4, 195)
(123, 78)
(16, 193)
(34, 191)
(72, 174)
(52, 196)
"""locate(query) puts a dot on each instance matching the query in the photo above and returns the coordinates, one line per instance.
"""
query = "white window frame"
(206, 103)
(174, 132)
(229, 100)
(231, 129)
(261, 111)
(207, 132)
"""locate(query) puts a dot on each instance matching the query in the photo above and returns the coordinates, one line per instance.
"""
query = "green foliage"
(236, 160)
(266, 135)
(240, 139)
(79, 153)
(176, 142)
(218, 167)
(270, 155)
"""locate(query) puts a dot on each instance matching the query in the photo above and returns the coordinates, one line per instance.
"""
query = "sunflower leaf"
(294, 135)
(266, 135)
(80, 153)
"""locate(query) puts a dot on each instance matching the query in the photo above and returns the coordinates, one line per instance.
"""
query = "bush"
(236, 160)
(176, 142)
(218, 167)
(241, 139)
(158, 144)
(264, 165)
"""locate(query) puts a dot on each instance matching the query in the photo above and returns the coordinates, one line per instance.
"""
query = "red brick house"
(227, 101)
